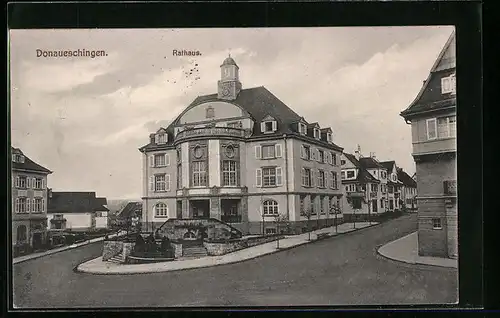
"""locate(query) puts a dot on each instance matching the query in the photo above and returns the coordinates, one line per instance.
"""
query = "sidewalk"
(24, 258)
(97, 266)
(405, 249)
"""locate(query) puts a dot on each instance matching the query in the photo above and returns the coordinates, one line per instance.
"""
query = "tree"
(335, 210)
(355, 203)
(280, 220)
(308, 213)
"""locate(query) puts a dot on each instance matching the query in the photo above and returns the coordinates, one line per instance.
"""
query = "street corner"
(405, 250)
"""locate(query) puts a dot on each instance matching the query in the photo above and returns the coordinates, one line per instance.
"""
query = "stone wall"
(177, 249)
(127, 250)
(175, 229)
(110, 249)
(221, 248)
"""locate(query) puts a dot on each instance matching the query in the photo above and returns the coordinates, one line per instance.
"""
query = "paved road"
(343, 270)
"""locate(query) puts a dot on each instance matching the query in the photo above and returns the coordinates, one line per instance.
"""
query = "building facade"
(29, 202)
(243, 157)
(395, 189)
(409, 190)
(432, 116)
(76, 211)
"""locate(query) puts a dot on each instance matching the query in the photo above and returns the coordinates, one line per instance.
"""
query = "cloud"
(84, 119)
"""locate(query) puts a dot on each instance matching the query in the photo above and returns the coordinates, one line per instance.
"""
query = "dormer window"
(317, 133)
(18, 158)
(329, 137)
(448, 84)
(269, 126)
(161, 138)
(302, 129)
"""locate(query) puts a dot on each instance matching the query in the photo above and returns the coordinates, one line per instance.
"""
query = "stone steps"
(117, 259)
(194, 251)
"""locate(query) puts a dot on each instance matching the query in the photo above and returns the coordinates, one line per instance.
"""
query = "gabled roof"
(370, 163)
(406, 179)
(259, 103)
(363, 175)
(28, 164)
(130, 209)
(389, 165)
(429, 97)
(74, 202)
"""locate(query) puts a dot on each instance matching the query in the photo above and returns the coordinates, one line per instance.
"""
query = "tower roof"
(229, 61)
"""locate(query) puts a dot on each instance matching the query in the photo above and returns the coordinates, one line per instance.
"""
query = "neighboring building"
(240, 156)
(102, 216)
(73, 210)
(29, 201)
(365, 184)
(409, 191)
(433, 125)
(394, 186)
(131, 212)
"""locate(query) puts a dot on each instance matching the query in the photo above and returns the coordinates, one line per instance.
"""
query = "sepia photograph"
(228, 167)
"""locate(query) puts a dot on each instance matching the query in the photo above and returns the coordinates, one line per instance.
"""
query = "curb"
(77, 270)
(377, 249)
(51, 252)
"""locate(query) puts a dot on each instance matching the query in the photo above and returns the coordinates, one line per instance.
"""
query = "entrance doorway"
(230, 211)
(37, 241)
(374, 205)
(200, 209)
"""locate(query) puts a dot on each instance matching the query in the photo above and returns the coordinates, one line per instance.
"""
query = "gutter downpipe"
(286, 174)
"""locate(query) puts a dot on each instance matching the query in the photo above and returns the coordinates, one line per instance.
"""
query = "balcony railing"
(450, 187)
(231, 218)
(211, 131)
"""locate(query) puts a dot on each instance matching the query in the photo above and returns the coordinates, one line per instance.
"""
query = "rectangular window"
(321, 179)
(21, 182)
(333, 180)
(431, 129)
(160, 182)
(302, 204)
(342, 175)
(306, 177)
(268, 126)
(179, 176)
(329, 137)
(391, 189)
(38, 205)
(303, 129)
(322, 205)
(235, 124)
(160, 160)
(306, 152)
(317, 133)
(313, 207)
(321, 156)
(269, 177)
(448, 84)
(268, 151)
(350, 174)
(334, 159)
(381, 203)
(229, 173)
(374, 187)
(199, 173)
(446, 127)
(21, 205)
(436, 224)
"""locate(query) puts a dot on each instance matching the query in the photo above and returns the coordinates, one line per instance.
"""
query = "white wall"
(101, 222)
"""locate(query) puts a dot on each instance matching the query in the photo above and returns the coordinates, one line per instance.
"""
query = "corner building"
(241, 156)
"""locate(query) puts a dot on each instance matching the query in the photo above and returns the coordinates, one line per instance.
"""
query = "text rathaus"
(241, 156)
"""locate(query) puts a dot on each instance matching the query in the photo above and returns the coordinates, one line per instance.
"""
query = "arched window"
(21, 234)
(210, 112)
(270, 207)
(161, 209)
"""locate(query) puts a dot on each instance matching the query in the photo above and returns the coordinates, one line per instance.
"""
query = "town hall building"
(243, 157)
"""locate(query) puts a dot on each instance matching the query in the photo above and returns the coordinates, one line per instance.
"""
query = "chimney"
(372, 154)
(357, 153)
(152, 138)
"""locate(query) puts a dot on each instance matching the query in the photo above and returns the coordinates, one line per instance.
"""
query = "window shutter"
(167, 159)
(275, 125)
(151, 161)
(258, 152)
(258, 177)
(16, 208)
(152, 183)
(43, 183)
(302, 152)
(278, 151)
(43, 205)
(17, 182)
(28, 181)
(313, 175)
(167, 182)
(279, 176)
(262, 127)
(28, 205)
(313, 154)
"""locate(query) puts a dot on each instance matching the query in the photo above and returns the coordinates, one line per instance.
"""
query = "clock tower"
(229, 85)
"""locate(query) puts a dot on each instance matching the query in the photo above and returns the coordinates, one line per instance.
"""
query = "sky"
(85, 118)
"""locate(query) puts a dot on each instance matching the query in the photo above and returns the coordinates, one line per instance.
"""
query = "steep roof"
(363, 175)
(27, 164)
(259, 103)
(130, 209)
(370, 163)
(73, 202)
(406, 179)
(102, 201)
(389, 165)
(430, 97)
